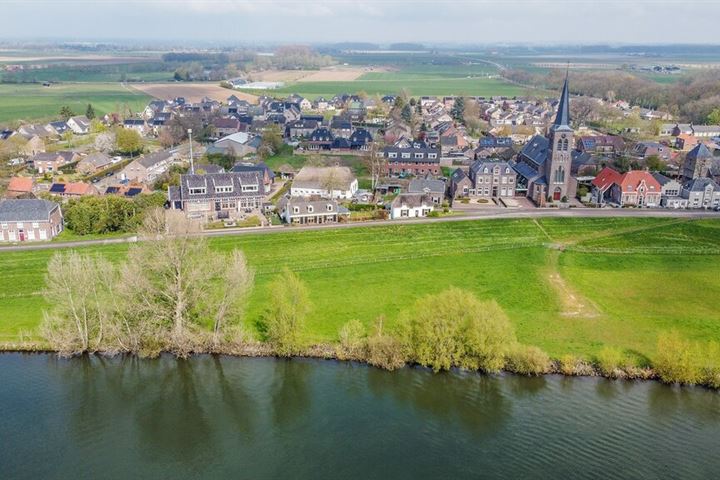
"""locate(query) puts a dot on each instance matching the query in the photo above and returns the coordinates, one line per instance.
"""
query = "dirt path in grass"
(573, 303)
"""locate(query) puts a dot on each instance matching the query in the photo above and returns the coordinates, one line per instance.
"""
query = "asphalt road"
(480, 215)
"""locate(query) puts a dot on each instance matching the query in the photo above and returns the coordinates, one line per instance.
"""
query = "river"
(258, 418)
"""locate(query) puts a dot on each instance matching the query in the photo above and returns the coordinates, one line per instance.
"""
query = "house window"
(249, 188)
(19, 225)
(296, 209)
(31, 234)
(35, 225)
(432, 155)
(4, 226)
(392, 155)
(419, 155)
(310, 209)
(404, 212)
(329, 207)
(224, 189)
(198, 191)
(405, 155)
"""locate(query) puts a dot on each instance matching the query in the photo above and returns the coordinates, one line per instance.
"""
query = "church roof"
(562, 119)
(699, 151)
(536, 150)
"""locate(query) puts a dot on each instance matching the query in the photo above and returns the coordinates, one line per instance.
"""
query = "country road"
(479, 216)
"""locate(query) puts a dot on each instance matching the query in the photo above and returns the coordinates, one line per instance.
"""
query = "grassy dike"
(569, 286)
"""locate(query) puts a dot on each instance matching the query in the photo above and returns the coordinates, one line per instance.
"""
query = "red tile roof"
(632, 180)
(20, 184)
(606, 178)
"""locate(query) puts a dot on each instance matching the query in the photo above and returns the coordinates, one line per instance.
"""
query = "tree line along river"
(225, 417)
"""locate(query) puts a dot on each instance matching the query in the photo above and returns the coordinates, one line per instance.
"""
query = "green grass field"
(35, 102)
(636, 277)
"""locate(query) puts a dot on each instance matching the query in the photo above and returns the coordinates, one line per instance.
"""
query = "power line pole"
(192, 162)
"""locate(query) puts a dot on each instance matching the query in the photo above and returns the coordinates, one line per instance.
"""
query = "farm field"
(35, 102)
(193, 92)
(569, 285)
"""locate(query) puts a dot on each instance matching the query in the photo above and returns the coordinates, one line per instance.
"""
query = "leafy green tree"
(714, 117)
(285, 319)
(272, 141)
(90, 112)
(66, 112)
(655, 164)
(453, 328)
(128, 141)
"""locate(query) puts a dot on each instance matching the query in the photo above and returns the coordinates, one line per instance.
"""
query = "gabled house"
(636, 188)
(20, 187)
(312, 211)
(492, 179)
(601, 144)
(431, 187)
(217, 195)
(45, 162)
(73, 189)
(671, 191)
(29, 220)
(137, 124)
(646, 149)
(360, 139)
(320, 139)
(94, 163)
(148, 168)
(326, 182)
(411, 205)
(225, 126)
(702, 193)
(80, 125)
(267, 175)
(460, 184)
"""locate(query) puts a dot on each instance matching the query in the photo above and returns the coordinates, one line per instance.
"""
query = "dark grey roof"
(536, 150)
(700, 184)
(154, 158)
(259, 167)
(481, 164)
(26, 210)
(526, 171)
(412, 200)
(211, 181)
(699, 151)
(562, 119)
(423, 185)
(458, 175)
(661, 179)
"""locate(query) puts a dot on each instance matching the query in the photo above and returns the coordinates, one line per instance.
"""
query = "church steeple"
(562, 119)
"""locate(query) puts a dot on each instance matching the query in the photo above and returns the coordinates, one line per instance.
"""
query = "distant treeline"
(180, 57)
(692, 98)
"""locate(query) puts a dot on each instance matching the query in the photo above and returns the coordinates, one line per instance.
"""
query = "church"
(544, 164)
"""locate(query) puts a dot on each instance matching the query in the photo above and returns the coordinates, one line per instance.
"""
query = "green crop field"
(612, 282)
(35, 102)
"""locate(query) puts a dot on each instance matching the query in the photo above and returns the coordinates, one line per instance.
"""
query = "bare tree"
(375, 162)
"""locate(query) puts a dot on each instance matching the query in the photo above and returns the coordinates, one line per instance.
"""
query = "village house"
(411, 205)
(416, 159)
(130, 190)
(72, 189)
(236, 145)
(671, 191)
(702, 193)
(645, 149)
(434, 188)
(636, 188)
(148, 168)
(45, 162)
(137, 124)
(267, 175)
(28, 220)
(225, 126)
(94, 163)
(460, 184)
(20, 187)
(492, 179)
(313, 210)
(601, 144)
(686, 141)
(217, 195)
(326, 182)
(33, 146)
(80, 125)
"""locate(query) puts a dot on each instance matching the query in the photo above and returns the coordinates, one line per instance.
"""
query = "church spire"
(562, 119)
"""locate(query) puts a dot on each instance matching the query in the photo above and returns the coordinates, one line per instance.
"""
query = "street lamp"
(192, 163)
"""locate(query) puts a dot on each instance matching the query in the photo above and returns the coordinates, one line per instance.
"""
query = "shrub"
(454, 328)
(285, 319)
(352, 340)
(569, 364)
(675, 359)
(434, 214)
(610, 361)
(527, 360)
(385, 351)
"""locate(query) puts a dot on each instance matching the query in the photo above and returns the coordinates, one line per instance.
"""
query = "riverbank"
(334, 353)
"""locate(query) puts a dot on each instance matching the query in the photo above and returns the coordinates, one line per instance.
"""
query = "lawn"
(35, 102)
(363, 273)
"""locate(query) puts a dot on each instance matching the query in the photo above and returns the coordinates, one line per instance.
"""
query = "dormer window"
(249, 188)
(198, 191)
(224, 189)
(310, 209)
(296, 209)
(329, 207)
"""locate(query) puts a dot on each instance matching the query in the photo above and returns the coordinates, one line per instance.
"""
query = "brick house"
(217, 195)
(460, 184)
(29, 220)
(45, 162)
(412, 160)
(314, 211)
(94, 163)
(73, 189)
(492, 179)
(635, 188)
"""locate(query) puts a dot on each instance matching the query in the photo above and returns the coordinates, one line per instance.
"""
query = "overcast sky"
(380, 21)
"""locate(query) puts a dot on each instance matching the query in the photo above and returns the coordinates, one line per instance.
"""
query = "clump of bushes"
(384, 350)
(611, 362)
(285, 319)
(679, 360)
(353, 344)
(528, 360)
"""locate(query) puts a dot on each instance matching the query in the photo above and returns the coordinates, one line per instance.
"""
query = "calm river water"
(221, 417)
